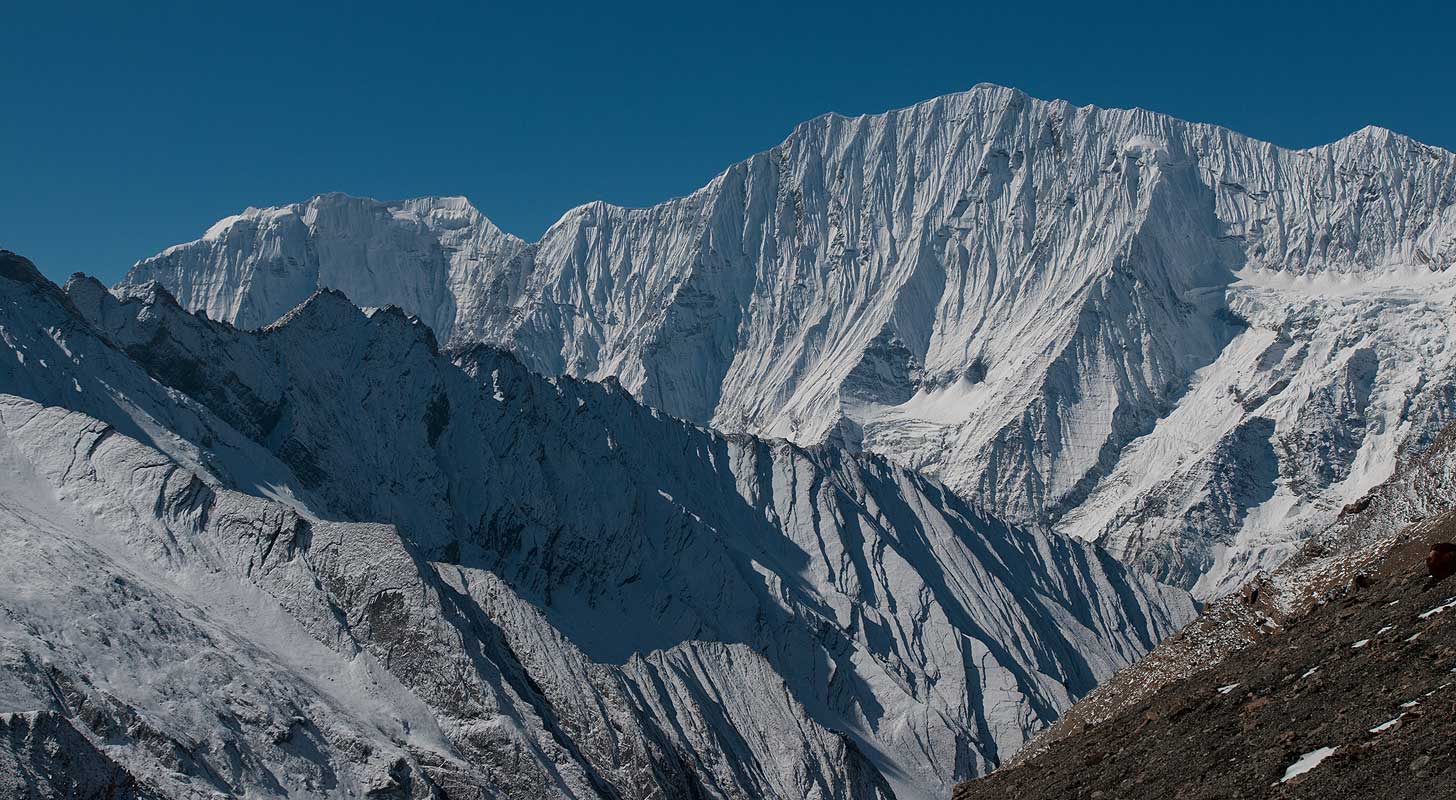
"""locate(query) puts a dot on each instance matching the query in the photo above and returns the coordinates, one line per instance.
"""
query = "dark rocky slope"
(1368, 671)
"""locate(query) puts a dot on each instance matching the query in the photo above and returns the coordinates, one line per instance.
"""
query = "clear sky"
(125, 128)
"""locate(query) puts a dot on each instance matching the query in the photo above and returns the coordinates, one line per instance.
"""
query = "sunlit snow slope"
(325, 558)
(1190, 344)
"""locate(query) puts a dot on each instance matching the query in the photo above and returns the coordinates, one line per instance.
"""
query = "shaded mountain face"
(327, 558)
(44, 757)
(1080, 317)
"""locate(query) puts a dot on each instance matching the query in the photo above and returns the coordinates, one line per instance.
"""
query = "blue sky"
(127, 129)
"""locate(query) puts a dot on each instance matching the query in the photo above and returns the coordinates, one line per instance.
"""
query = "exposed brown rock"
(1441, 562)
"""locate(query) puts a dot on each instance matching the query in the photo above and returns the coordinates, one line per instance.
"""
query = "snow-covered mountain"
(324, 558)
(1186, 343)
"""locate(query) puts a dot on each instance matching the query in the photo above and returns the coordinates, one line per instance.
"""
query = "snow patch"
(1449, 604)
(1305, 763)
(1385, 726)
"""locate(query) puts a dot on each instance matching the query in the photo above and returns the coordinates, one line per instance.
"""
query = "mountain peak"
(18, 268)
(325, 306)
(1382, 136)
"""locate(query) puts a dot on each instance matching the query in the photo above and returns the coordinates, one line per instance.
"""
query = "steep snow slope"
(368, 565)
(1334, 380)
(1032, 301)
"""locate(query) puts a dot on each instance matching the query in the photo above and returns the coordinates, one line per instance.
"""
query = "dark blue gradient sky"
(126, 129)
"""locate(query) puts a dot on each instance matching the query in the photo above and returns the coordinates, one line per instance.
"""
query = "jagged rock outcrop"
(327, 558)
(1066, 313)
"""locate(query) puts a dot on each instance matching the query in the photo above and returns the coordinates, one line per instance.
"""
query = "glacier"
(1186, 344)
(330, 557)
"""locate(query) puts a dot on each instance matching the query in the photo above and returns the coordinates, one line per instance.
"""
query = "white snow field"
(1192, 346)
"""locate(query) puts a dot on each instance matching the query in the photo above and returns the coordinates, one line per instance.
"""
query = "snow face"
(428, 255)
(1190, 345)
(325, 558)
